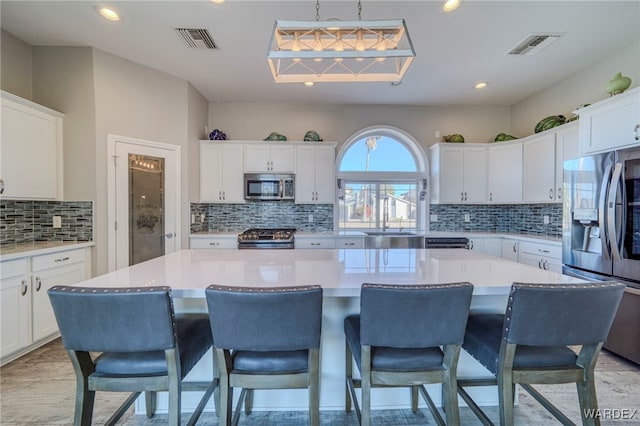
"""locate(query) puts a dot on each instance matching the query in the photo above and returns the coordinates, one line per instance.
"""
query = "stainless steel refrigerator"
(601, 234)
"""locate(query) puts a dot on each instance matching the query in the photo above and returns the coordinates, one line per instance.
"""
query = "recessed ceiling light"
(217, 1)
(481, 85)
(309, 83)
(108, 13)
(450, 5)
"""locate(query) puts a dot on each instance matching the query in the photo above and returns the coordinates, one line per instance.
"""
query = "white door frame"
(111, 190)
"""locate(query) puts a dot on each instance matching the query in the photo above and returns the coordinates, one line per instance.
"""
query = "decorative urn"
(618, 84)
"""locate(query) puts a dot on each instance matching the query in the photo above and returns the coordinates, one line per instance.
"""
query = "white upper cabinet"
(315, 174)
(221, 175)
(268, 158)
(505, 172)
(610, 124)
(566, 149)
(458, 173)
(30, 150)
(539, 168)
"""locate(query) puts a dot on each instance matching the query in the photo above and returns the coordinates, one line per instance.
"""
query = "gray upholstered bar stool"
(143, 346)
(266, 338)
(529, 344)
(396, 340)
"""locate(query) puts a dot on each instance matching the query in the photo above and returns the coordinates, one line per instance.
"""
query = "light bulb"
(381, 46)
(317, 45)
(359, 44)
(295, 46)
(339, 45)
(450, 5)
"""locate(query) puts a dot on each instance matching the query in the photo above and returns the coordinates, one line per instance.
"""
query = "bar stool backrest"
(414, 316)
(265, 319)
(134, 319)
(561, 314)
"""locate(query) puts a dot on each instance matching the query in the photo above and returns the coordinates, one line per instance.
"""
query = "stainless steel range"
(271, 238)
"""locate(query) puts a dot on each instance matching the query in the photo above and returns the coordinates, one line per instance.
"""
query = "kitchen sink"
(393, 240)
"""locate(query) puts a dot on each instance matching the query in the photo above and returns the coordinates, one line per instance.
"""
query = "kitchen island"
(341, 273)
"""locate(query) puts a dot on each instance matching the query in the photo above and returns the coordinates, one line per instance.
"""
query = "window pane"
(389, 205)
(378, 154)
(357, 208)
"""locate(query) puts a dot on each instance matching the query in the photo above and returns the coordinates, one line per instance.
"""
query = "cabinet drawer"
(58, 259)
(309, 243)
(350, 243)
(13, 268)
(214, 243)
(546, 250)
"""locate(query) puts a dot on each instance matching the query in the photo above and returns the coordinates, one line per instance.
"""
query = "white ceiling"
(453, 50)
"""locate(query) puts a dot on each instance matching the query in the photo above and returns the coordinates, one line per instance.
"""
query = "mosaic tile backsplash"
(27, 221)
(261, 214)
(508, 218)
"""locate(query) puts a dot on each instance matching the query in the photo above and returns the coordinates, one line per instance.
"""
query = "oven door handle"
(615, 237)
(281, 188)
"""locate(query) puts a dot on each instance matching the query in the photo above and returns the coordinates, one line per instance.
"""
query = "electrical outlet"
(545, 219)
(310, 218)
(467, 217)
(434, 218)
(193, 218)
(57, 221)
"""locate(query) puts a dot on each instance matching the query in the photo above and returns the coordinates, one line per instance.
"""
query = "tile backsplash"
(507, 218)
(210, 217)
(25, 221)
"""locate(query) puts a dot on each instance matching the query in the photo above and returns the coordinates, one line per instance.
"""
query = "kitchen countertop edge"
(38, 248)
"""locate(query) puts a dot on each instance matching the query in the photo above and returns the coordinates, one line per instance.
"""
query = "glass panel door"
(146, 201)
(632, 234)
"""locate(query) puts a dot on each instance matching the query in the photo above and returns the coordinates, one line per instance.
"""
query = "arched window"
(382, 174)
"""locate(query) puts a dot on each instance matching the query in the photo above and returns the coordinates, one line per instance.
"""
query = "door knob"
(169, 235)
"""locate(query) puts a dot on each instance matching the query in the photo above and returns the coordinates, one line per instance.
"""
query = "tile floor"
(39, 389)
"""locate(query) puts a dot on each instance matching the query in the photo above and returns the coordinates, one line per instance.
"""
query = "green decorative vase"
(618, 84)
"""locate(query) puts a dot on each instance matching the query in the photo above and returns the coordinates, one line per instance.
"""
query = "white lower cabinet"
(490, 246)
(315, 242)
(27, 318)
(510, 249)
(350, 242)
(541, 255)
(221, 242)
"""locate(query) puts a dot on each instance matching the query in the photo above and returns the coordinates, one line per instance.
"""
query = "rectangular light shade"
(339, 51)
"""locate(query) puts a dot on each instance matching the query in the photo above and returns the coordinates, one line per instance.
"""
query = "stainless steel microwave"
(262, 186)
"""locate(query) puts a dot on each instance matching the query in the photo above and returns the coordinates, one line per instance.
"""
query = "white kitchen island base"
(341, 273)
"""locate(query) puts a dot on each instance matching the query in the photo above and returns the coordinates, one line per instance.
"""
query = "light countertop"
(340, 272)
(36, 248)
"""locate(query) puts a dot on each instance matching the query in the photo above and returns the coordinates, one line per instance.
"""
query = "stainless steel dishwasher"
(446, 243)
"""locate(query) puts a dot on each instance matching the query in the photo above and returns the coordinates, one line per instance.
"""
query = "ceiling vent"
(197, 38)
(535, 43)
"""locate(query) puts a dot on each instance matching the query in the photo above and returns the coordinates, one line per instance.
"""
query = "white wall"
(336, 123)
(584, 87)
(198, 112)
(139, 102)
(63, 81)
(16, 60)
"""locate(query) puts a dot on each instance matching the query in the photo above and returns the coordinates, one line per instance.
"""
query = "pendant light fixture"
(340, 51)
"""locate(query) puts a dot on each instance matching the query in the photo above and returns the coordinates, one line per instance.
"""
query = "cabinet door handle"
(470, 244)
(214, 244)
(540, 264)
(462, 196)
(38, 283)
(544, 264)
(543, 251)
(23, 287)
(220, 195)
(2, 185)
(635, 132)
(62, 259)
(349, 244)
(515, 250)
(315, 244)
(559, 192)
(551, 194)
(465, 196)
(491, 196)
